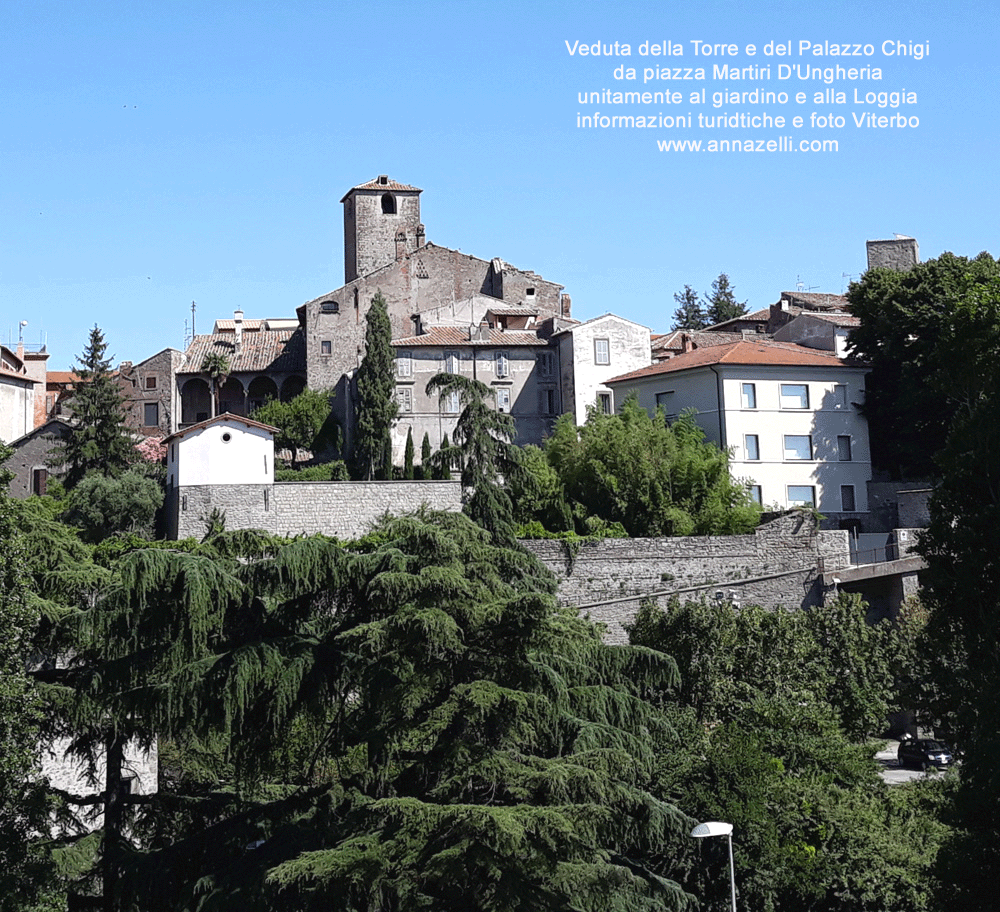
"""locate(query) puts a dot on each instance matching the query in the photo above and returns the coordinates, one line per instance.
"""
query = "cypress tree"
(99, 441)
(408, 455)
(425, 457)
(376, 403)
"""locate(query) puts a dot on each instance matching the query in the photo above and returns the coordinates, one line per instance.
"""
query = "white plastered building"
(789, 416)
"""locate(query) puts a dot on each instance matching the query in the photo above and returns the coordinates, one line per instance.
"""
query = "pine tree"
(376, 405)
(99, 441)
(689, 314)
(462, 743)
(721, 304)
(408, 455)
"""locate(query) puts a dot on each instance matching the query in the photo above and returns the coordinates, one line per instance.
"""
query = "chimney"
(686, 343)
(567, 306)
(421, 238)
(400, 245)
(238, 323)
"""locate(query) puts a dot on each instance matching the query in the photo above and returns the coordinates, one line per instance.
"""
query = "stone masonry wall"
(345, 509)
(778, 566)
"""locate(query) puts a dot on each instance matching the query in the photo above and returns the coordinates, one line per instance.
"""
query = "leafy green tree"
(217, 366)
(463, 744)
(303, 422)
(538, 494)
(720, 304)
(489, 459)
(408, 455)
(690, 313)
(23, 812)
(99, 441)
(377, 407)
(102, 506)
(655, 480)
(912, 327)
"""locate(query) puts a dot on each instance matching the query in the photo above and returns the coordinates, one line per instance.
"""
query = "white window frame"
(748, 396)
(796, 449)
(503, 399)
(756, 494)
(801, 501)
(602, 351)
(751, 446)
(795, 400)
(404, 396)
(501, 361)
(451, 362)
(404, 364)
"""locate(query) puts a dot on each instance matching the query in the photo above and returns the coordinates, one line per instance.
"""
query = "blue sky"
(155, 154)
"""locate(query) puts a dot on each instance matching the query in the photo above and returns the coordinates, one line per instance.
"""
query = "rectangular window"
(503, 399)
(840, 395)
(404, 396)
(847, 498)
(451, 403)
(801, 496)
(39, 481)
(794, 396)
(545, 363)
(151, 383)
(602, 351)
(748, 396)
(664, 400)
(844, 448)
(605, 404)
(451, 362)
(546, 401)
(798, 447)
(150, 414)
(752, 443)
(755, 494)
(404, 364)
(502, 364)
(326, 347)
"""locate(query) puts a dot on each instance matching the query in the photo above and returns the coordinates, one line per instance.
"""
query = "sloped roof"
(260, 350)
(15, 375)
(459, 335)
(758, 316)
(839, 319)
(814, 301)
(63, 377)
(225, 416)
(780, 354)
(604, 316)
(511, 310)
(376, 184)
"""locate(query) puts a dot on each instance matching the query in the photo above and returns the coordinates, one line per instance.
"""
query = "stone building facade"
(150, 394)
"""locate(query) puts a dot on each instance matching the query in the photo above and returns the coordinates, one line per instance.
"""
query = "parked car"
(922, 753)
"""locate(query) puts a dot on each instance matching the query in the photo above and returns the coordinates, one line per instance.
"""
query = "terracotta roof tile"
(749, 353)
(249, 422)
(260, 350)
(758, 316)
(376, 184)
(815, 301)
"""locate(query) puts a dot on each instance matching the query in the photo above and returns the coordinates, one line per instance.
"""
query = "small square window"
(326, 347)
(794, 396)
(801, 496)
(847, 498)
(404, 364)
(665, 400)
(602, 351)
(752, 443)
(798, 446)
(844, 448)
(604, 403)
(151, 383)
(748, 396)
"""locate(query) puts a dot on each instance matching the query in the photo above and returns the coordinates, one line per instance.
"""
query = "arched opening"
(196, 401)
(388, 204)
(232, 398)
(291, 388)
(261, 389)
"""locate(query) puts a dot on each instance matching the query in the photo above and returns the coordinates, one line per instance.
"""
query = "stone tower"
(381, 224)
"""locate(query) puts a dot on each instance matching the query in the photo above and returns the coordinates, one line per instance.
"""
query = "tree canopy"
(304, 422)
(915, 331)
(720, 303)
(690, 313)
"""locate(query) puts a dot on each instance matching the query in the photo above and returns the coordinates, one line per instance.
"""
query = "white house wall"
(204, 457)
(17, 408)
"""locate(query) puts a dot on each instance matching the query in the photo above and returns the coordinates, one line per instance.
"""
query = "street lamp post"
(715, 828)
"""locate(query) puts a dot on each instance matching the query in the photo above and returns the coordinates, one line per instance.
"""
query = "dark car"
(923, 753)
